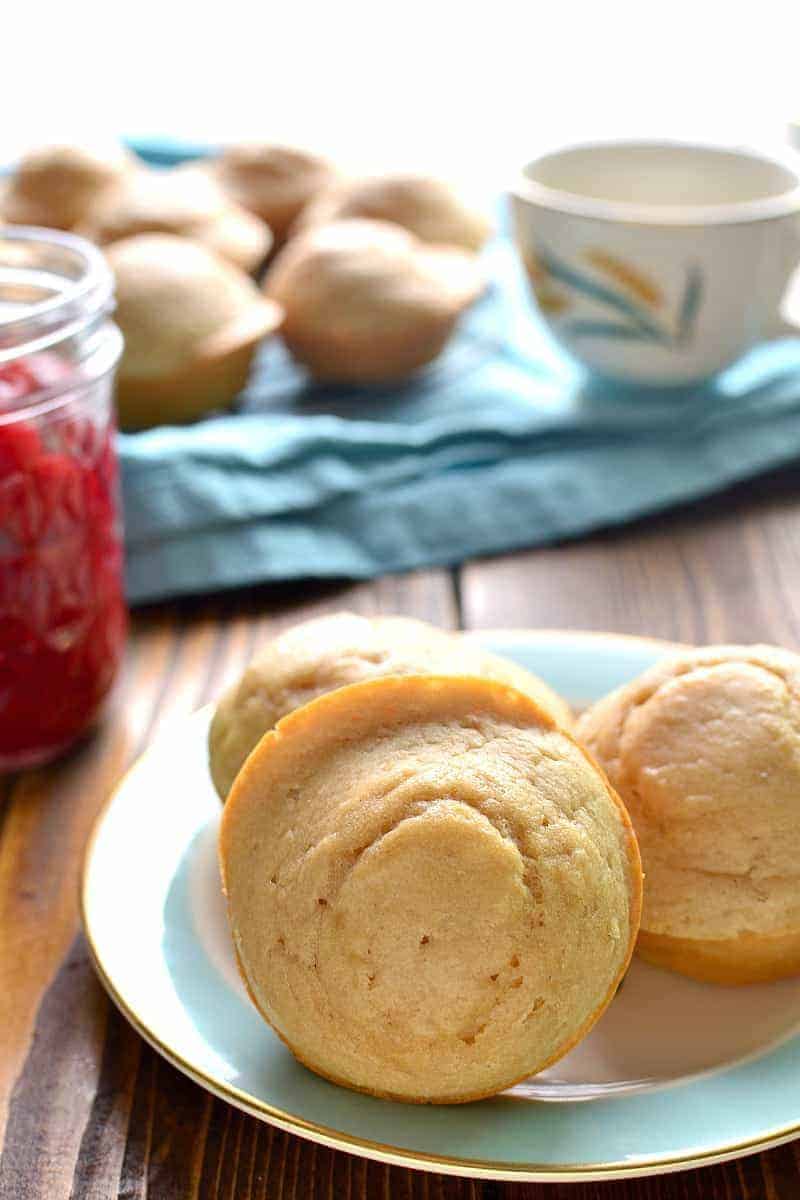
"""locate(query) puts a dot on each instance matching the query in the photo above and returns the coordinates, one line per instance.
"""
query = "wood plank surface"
(87, 1110)
(726, 570)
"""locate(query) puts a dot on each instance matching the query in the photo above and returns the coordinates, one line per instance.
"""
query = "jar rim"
(47, 401)
(79, 303)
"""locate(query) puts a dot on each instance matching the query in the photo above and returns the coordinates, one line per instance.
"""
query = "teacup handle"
(787, 323)
(782, 327)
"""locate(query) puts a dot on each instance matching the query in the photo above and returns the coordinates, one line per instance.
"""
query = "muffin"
(433, 892)
(238, 236)
(367, 302)
(274, 182)
(186, 201)
(329, 652)
(59, 186)
(432, 209)
(191, 323)
(704, 749)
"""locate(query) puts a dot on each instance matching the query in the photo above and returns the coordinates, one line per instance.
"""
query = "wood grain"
(727, 571)
(88, 1111)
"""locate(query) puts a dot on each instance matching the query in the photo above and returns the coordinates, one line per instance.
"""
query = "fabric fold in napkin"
(500, 444)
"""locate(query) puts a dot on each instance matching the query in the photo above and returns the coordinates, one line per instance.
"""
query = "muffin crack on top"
(683, 669)
(424, 906)
(484, 806)
(704, 749)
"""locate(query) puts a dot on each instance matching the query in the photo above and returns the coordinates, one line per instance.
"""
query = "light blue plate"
(676, 1073)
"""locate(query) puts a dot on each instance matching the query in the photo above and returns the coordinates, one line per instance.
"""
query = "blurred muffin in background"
(238, 236)
(59, 186)
(191, 323)
(367, 302)
(274, 182)
(186, 201)
(432, 209)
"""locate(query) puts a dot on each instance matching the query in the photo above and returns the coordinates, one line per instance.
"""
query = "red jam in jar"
(62, 612)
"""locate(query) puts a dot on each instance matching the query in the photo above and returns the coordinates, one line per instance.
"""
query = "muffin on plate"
(59, 186)
(191, 323)
(186, 201)
(274, 182)
(367, 302)
(433, 892)
(329, 652)
(432, 209)
(704, 750)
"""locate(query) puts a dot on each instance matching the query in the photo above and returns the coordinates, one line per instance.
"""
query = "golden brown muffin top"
(60, 185)
(432, 890)
(359, 263)
(430, 208)
(173, 297)
(366, 301)
(160, 201)
(317, 656)
(704, 749)
(186, 201)
(273, 181)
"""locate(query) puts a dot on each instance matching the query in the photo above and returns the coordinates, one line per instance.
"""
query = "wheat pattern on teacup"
(630, 304)
(631, 278)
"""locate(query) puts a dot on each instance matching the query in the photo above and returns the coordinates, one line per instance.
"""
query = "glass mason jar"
(62, 612)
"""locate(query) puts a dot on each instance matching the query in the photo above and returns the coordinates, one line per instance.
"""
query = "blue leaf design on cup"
(605, 329)
(690, 306)
(589, 287)
(638, 325)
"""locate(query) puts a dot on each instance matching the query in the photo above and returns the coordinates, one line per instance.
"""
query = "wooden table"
(88, 1111)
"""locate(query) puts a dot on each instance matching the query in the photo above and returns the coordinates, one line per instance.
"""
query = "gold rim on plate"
(380, 1151)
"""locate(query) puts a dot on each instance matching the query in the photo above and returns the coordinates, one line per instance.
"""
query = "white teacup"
(657, 262)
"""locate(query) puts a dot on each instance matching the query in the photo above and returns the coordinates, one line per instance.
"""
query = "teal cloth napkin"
(500, 444)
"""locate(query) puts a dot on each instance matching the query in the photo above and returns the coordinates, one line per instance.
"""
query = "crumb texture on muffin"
(329, 652)
(704, 750)
(432, 890)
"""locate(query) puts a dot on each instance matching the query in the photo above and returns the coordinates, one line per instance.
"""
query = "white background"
(469, 88)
